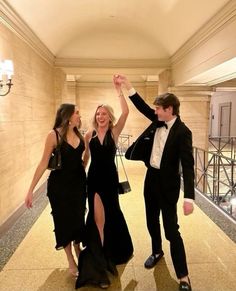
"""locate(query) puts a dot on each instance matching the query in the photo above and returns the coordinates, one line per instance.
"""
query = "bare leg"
(77, 249)
(71, 261)
(99, 216)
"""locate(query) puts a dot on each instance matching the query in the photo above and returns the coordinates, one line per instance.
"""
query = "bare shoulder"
(51, 137)
(52, 133)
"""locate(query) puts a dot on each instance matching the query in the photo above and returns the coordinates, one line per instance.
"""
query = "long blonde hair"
(110, 113)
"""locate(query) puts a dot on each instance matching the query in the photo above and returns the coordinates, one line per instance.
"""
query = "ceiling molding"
(192, 91)
(213, 81)
(194, 98)
(112, 63)
(101, 70)
(225, 89)
(10, 19)
(109, 84)
(226, 15)
(222, 79)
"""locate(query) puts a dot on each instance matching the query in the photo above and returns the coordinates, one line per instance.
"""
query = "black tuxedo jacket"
(177, 152)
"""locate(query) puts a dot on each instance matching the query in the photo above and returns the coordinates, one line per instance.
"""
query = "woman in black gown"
(66, 188)
(108, 241)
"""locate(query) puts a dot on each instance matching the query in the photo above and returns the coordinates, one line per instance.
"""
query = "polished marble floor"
(36, 266)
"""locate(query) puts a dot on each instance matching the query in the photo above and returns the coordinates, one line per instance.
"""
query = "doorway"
(224, 119)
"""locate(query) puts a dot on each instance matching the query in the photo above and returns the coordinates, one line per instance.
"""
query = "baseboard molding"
(19, 211)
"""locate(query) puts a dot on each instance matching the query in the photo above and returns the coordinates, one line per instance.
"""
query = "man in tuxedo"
(166, 148)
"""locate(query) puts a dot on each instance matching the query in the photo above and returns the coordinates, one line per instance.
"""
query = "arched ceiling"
(115, 29)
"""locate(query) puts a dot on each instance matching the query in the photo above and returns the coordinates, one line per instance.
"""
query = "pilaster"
(195, 111)
(164, 81)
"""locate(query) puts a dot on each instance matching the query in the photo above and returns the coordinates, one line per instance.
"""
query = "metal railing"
(215, 177)
(123, 142)
(223, 145)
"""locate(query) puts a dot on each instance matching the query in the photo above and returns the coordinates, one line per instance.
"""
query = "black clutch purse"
(124, 186)
(55, 159)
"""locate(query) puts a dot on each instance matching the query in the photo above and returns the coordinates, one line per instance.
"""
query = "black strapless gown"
(66, 191)
(96, 260)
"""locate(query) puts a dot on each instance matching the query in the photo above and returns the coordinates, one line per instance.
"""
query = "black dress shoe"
(184, 286)
(104, 285)
(153, 259)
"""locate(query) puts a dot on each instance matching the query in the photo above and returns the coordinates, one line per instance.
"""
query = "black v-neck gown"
(96, 260)
(66, 191)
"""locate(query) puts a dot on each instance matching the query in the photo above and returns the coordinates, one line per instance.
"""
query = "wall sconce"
(6, 72)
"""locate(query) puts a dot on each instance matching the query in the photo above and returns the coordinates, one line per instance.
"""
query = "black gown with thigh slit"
(96, 260)
(66, 191)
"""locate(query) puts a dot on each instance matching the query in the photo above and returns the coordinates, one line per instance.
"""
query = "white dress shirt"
(159, 142)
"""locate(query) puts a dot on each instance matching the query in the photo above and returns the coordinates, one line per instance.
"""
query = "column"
(195, 111)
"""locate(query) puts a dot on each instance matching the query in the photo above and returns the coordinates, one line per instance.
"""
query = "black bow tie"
(165, 125)
(159, 124)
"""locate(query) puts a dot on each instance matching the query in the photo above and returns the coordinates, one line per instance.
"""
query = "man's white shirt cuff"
(132, 91)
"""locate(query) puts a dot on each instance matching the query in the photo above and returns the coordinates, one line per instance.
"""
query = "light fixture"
(6, 72)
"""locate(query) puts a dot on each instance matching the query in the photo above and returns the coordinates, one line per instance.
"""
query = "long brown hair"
(63, 115)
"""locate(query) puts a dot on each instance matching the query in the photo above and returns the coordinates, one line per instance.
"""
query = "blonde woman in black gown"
(108, 241)
(66, 188)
